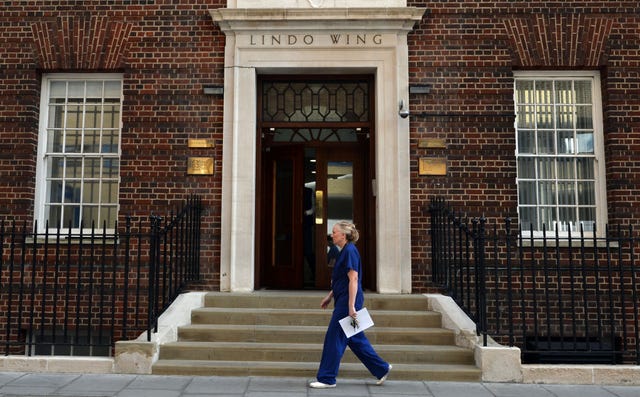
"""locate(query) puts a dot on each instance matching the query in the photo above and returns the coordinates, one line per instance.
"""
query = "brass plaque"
(200, 166)
(432, 143)
(433, 166)
(197, 143)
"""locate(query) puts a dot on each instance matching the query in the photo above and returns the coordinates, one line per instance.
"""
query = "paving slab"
(17, 384)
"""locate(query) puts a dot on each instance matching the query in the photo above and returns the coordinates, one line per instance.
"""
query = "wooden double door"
(305, 189)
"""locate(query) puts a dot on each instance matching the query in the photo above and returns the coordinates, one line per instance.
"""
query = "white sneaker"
(381, 380)
(320, 385)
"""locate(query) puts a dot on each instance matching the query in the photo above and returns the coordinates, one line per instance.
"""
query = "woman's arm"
(353, 291)
(326, 300)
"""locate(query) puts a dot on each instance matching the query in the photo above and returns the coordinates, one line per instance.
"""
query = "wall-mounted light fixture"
(402, 112)
(419, 88)
(213, 90)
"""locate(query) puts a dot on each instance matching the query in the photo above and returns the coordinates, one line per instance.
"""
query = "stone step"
(309, 334)
(315, 317)
(420, 372)
(310, 300)
(301, 352)
(280, 333)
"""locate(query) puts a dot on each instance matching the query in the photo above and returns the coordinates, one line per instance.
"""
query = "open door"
(306, 190)
(316, 168)
(281, 229)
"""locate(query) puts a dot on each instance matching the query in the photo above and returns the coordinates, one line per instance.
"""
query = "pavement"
(116, 385)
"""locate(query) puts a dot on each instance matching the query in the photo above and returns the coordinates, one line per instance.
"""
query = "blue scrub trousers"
(335, 343)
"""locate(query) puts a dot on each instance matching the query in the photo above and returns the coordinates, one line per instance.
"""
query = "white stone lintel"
(324, 19)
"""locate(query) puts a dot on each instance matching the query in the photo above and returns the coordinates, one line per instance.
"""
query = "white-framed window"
(78, 172)
(560, 152)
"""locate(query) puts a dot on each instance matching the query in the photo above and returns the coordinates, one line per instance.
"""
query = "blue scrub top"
(348, 259)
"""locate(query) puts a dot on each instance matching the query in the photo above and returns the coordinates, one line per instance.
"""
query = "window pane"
(72, 192)
(524, 91)
(109, 141)
(584, 117)
(71, 214)
(587, 218)
(90, 217)
(526, 117)
(56, 116)
(585, 168)
(76, 91)
(544, 116)
(566, 194)
(109, 215)
(528, 217)
(548, 218)
(526, 141)
(546, 168)
(565, 116)
(94, 89)
(585, 142)
(109, 192)
(91, 141)
(58, 89)
(55, 192)
(110, 168)
(544, 92)
(564, 91)
(567, 219)
(565, 142)
(112, 89)
(583, 91)
(74, 168)
(527, 193)
(56, 167)
(526, 168)
(566, 168)
(546, 142)
(547, 193)
(586, 193)
(55, 212)
(91, 193)
(92, 116)
(111, 117)
(73, 141)
(73, 116)
(92, 168)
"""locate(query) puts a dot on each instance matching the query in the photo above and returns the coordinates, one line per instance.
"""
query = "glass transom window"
(80, 151)
(557, 153)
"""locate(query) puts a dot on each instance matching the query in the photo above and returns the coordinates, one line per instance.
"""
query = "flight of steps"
(272, 333)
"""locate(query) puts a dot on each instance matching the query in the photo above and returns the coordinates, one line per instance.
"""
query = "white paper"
(364, 322)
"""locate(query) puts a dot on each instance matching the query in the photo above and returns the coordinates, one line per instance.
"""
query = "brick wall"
(467, 51)
(167, 51)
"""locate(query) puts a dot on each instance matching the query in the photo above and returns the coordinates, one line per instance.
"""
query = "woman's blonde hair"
(349, 230)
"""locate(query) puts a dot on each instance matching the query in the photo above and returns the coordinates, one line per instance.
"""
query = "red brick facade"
(167, 51)
(466, 50)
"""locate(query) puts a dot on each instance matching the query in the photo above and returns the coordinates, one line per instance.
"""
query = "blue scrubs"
(335, 342)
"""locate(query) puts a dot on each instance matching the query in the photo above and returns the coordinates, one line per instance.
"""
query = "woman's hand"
(326, 300)
(352, 312)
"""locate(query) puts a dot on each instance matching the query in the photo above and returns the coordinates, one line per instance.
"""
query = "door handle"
(319, 207)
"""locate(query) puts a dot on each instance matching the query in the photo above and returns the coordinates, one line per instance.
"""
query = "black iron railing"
(560, 300)
(67, 293)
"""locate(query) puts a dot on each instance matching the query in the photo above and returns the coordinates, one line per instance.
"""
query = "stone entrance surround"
(308, 37)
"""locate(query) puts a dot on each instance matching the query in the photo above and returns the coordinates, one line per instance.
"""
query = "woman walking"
(346, 291)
